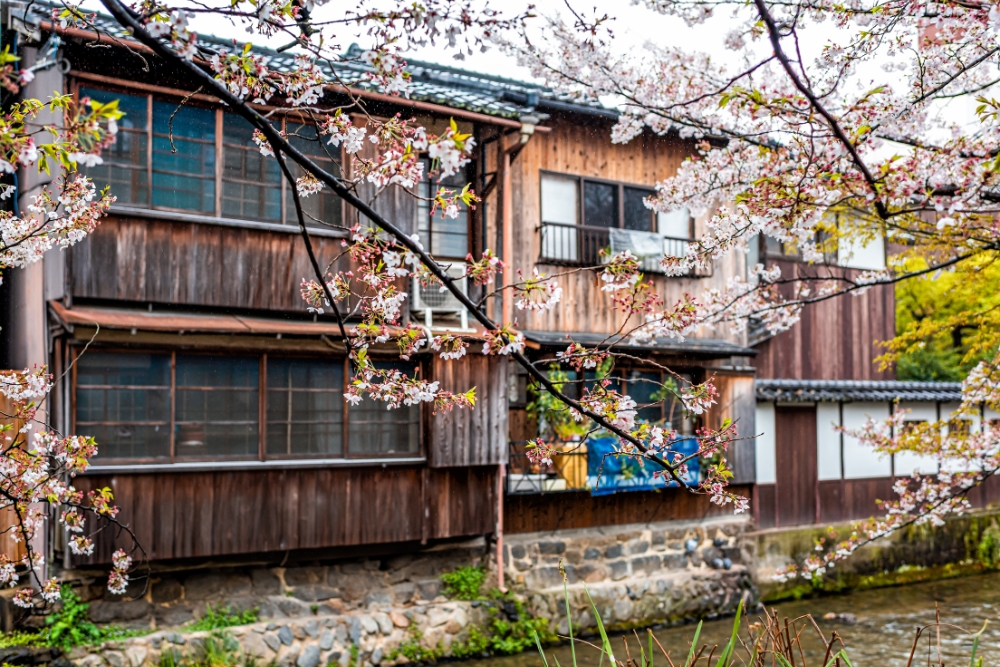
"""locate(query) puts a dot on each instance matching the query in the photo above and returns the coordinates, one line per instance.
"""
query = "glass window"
(305, 407)
(645, 390)
(447, 237)
(217, 406)
(373, 429)
(600, 204)
(637, 216)
(675, 224)
(183, 156)
(251, 182)
(123, 400)
(124, 165)
(324, 207)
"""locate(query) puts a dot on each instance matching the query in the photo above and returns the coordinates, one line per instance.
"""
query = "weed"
(19, 638)
(988, 551)
(355, 652)
(220, 649)
(220, 617)
(414, 650)
(69, 626)
(464, 583)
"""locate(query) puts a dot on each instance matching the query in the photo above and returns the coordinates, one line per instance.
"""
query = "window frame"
(287, 221)
(261, 456)
(581, 182)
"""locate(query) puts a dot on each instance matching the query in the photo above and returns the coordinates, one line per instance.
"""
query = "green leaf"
(694, 643)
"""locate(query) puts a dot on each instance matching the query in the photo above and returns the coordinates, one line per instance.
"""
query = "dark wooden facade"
(565, 511)
(836, 339)
(180, 515)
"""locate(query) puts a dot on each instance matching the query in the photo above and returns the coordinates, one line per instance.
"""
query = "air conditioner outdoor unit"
(435, 300)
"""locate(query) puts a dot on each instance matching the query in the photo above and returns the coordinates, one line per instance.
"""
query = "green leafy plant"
(220, 617)
(988, 550)
(68, 625)
(414, 650)
(510, 629)
(464, 583)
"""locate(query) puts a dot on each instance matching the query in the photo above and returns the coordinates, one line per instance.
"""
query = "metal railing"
(580, 245)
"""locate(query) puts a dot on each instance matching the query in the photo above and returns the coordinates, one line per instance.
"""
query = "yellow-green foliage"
(946, 321)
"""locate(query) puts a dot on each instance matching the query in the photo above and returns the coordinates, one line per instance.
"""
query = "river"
(882, 636)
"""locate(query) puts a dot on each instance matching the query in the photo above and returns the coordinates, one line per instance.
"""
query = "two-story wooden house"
(181, 342)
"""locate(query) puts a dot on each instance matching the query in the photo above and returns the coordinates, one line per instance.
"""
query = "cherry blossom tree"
(807, 149)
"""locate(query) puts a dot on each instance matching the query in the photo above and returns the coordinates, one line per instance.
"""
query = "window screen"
(373, 429)
(217, 406)
(251, 183)
(305, 407)
(184, 168)
(124, 165)
(123, 400)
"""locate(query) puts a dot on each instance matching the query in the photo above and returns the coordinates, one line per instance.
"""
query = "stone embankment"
(364, 610)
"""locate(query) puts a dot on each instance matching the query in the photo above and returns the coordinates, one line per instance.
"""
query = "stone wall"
(638, 574)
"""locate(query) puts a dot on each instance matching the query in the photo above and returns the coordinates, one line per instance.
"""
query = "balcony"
(578, 245)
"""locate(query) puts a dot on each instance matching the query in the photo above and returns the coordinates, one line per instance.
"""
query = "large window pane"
(251, 182)
(637, 216)
(600, 204)
(217, 406)
(559, 199)
(323, 208)
(446, 237)
(123, 400)
(305, 407)
(184, 168)
(375, 430)
(124, 162)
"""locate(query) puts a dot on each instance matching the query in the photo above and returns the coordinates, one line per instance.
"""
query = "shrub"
(464, 583)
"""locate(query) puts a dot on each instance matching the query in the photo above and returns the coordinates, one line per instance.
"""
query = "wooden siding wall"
(203, 514)
(852, 499)
(582, 149)
(462, 437)
(738, 402)
(835, 339)
(193, 264)
(578, 509)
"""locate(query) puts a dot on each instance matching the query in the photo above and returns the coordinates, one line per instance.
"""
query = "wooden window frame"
(261, 454)
(581, 182)
(152, 92)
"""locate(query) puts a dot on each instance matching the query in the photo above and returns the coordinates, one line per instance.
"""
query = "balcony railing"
(579, 245)
(568, 472)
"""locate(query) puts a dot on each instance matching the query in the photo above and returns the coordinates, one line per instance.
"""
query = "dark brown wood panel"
(763, 505)
(193, 264)
(831, 500)
(835, 339)
(578, 509)
(795, 455)
(477, 436)
(201, 514)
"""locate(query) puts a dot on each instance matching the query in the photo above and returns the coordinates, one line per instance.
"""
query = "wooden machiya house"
(182, 344)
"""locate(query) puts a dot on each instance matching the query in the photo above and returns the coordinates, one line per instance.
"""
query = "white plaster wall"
(862, 461)
(828, 441)
(765, 457)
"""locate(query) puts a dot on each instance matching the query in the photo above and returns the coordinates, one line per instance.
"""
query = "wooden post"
(500, 496)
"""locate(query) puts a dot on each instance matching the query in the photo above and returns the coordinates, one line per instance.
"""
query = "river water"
(882, 636)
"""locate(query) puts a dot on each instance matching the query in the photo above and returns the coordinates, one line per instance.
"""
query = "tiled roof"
(809, 391)
(430, 82)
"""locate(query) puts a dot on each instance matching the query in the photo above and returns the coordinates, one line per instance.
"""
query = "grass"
(220, 617)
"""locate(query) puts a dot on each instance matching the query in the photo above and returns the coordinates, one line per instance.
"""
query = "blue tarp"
(611, 474)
